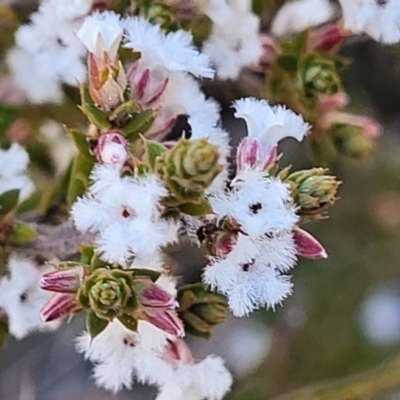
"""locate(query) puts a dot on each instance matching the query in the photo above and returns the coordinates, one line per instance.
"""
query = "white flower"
(125, 215)
(48, 53)
(251, 274)
(102, 32)
(258, 203)
(13, 165)
(115, 351)
(208, 379)
(234, 41)
(296, 16)
(379, 19)
(22, 298)
(173, 51)
(270, 124)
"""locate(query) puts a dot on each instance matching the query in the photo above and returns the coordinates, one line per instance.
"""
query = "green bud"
(201, 310)
(313, 190)
(162, 15)
(108, 293)
(188, 169)
(351, 141)
(319, 76)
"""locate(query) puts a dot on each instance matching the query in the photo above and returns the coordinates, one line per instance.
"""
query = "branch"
(60, 241)
(368, 385)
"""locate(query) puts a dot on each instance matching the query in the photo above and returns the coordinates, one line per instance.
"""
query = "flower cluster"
(140, 182)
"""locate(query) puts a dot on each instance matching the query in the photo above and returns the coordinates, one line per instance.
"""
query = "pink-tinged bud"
(334, 102)
(369, 127)
(225, 246)
(58, 306)
(148, 85)
(251, 154)
(66, 280)
(307, 245)
(166, 320)
(178, 352)
(112, 149)
(327, 38)
(267, 56)
(107, 82)
(154, 296)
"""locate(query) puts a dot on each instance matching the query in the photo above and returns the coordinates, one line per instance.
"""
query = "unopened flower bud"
(107, 83)
(319, 76)
(307, 245)
(147, 85)
(166, 320)
(201, 310)
(312, 190)
(268, 53)
(151, 295)
(333, 102)
(112, 149)
(327, 38)
(66, 280)
(59, 306)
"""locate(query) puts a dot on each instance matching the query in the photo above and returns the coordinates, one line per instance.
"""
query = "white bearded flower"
(22, 298)
(48, 53)
(296, 16)
(125, 215)
(102, 32)
(13, 165)
(173, 51)
(251, 273)
(270, 124)
(379, 19)
(234, 41)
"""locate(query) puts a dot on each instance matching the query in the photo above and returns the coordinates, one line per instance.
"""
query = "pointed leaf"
(79, 178)
(124, 110)
(94, 324)
(153, 150)
(93, 113)
(81, 143)
(139, 124)
(129, 322)
(23, 233)
(8, 201)
(87, 252)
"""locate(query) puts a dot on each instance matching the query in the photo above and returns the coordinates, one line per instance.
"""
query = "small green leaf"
(153, 150)
(139, 124)
(79, 180)
(196, 210)
(8, 114)
(94, 114)
(195, 325)
(96, 262)
(68, 264)
(8, 201)
(23, 234)
(124, 111)
(87, 252)
(81, 143)
(94, 324)
(128, 321)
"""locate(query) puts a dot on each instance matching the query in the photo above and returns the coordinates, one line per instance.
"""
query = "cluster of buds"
(188, 169)
(319, 76)
(201, 310)
(312, 190)
(107, 293)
